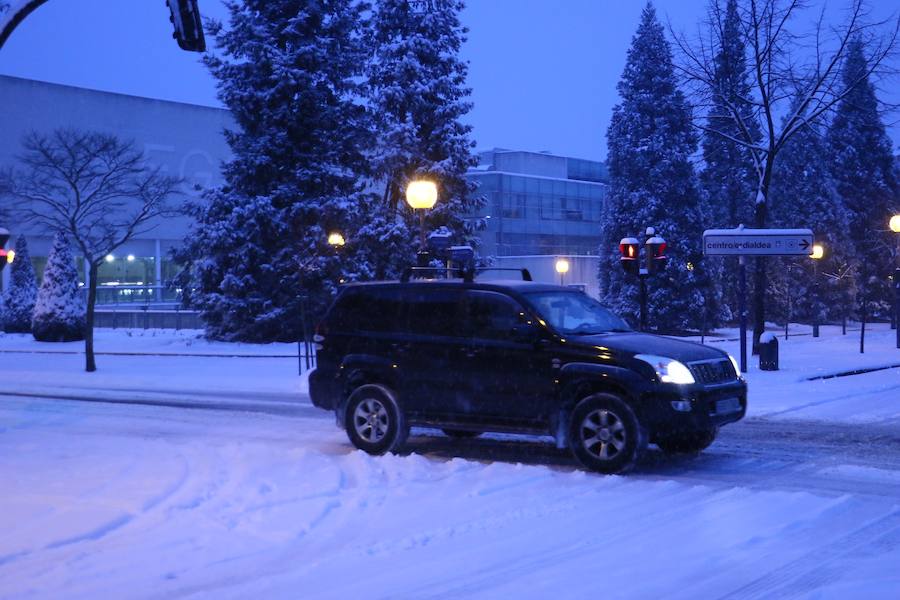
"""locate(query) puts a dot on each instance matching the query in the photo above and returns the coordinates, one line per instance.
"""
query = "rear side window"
(367, 309)
(434, 312)
(491, 315)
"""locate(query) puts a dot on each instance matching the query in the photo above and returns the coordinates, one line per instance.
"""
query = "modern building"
(537, 203)
(185, 140)
(540, 203)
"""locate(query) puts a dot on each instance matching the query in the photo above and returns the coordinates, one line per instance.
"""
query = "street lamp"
(562, 267)
(336, 239)
(421, 195)
(818, 251)
(895, 227)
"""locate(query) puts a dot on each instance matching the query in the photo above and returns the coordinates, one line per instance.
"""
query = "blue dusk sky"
(543, 72)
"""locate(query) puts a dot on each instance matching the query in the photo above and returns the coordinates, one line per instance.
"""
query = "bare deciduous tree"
(96, 188)
(785, 62)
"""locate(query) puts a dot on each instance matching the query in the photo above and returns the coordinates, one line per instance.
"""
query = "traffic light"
(185, 16)
(631, 255)
(656, 254)
(4, 255)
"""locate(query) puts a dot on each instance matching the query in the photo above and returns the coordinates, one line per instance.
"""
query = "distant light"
(336, 239)
(10, 256)
(562, 266)
(110, 258)
(130, 258)
(690, 266)
(895, 224)
(817, 252)
(421, 194)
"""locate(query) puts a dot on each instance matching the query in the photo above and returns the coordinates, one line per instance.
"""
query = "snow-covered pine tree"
(418, 96)
(729, 177)
(864, 170)
(804, 195)
(290, 72)
(652, 183)
(59, 310)
(19, 298)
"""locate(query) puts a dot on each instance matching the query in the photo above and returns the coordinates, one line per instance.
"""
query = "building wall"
(185, 140)
(539, 203)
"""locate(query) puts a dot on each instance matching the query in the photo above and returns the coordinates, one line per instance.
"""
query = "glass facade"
(530, 212)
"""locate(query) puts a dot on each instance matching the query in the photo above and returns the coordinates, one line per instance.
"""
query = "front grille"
(716, 371)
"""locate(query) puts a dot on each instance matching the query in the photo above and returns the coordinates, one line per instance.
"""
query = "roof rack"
(467, 275)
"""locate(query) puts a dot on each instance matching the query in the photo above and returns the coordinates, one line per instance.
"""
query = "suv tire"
(374, 421)
(461, 434)
(605, 435)
(686, 443)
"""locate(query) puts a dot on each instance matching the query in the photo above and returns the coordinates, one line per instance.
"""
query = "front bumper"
(711, 406)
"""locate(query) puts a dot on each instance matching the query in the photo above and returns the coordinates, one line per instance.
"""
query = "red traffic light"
(630, 248)
(656, 254)
(185, 16)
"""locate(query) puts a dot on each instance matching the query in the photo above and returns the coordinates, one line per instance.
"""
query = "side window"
(434, 312)
(491, 315)
(368, 309)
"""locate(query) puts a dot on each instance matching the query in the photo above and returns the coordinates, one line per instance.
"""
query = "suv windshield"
(575, 313)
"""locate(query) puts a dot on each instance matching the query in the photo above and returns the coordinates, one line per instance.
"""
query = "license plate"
(727, 405)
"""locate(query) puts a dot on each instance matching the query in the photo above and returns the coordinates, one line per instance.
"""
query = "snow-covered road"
(121, 500)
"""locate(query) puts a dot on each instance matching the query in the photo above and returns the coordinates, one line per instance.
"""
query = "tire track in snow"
(813, 568)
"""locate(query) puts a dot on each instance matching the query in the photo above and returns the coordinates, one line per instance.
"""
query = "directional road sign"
(757, 242)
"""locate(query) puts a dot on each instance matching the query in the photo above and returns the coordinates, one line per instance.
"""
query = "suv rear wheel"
(605, 435)
(374, 421)
(687, 443)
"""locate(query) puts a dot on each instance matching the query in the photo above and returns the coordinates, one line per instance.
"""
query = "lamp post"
(562, 267)
(818, 251)
(421, 195)
(895, 227)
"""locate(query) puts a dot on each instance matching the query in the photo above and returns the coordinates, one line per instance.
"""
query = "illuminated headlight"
(734, 363)
(667, 369)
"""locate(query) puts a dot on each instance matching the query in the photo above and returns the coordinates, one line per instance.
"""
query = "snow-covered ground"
(259, 494)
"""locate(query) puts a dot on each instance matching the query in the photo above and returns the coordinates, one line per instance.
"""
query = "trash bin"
(768, 352)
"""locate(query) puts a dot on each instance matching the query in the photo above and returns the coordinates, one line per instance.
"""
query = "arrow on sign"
(804, 244)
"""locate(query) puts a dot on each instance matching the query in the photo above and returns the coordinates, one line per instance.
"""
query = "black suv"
(516, 356)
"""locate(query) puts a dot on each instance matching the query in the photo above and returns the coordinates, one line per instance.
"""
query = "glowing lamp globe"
(562, 266)
(895, 224)
(817, 251)
(421, 194)
(336, 239)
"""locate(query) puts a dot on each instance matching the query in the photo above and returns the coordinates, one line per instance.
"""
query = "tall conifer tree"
(652, 183)
(417, 85)
(805, 195)
(18, 300)
(729, 177)
(290, 71)
(866, 176)
(59, 310)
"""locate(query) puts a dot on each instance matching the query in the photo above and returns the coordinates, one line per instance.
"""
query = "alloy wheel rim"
(603, 434)
(370, 419)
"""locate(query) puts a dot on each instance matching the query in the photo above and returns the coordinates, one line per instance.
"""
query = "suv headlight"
(667, 369)
(737, 368)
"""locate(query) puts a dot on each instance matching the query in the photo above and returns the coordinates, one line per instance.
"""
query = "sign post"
(742, 242)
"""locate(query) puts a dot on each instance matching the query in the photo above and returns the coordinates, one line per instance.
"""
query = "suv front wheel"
(374, 421)
(605, 434)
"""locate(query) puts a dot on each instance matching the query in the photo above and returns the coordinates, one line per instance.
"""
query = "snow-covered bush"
(18, 300)
(59, 311)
